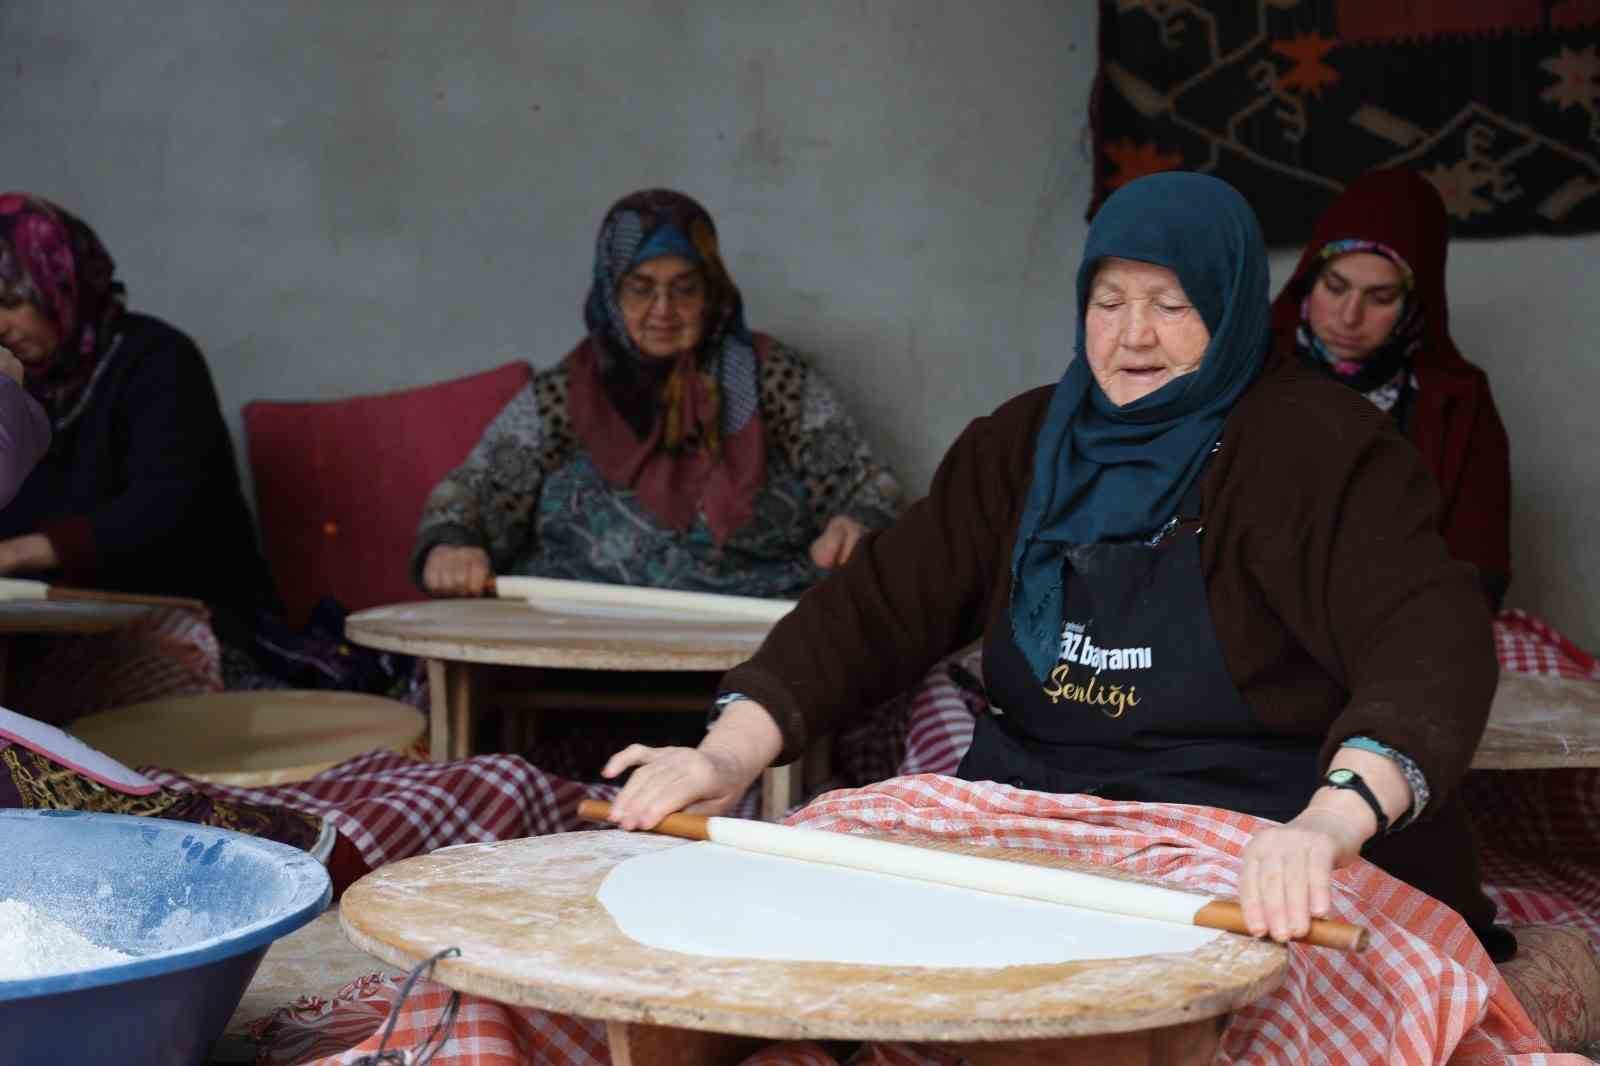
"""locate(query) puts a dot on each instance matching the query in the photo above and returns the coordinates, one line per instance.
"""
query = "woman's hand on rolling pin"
(455, 570)
(1288, 870)
(838, 541)
(30, 553)
(709, 779)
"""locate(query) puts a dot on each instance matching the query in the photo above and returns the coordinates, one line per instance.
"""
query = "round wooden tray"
(252, 739)
(524, 915)
(514, 632)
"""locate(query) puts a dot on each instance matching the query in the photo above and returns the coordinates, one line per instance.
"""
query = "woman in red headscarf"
(138, 491)
(1367, 306)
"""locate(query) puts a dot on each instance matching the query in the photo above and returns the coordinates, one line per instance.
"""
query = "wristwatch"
(1343, 778)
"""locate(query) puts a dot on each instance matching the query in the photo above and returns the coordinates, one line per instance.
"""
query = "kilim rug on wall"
(1497, 102)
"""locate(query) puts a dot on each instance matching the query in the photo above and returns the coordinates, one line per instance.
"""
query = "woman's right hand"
(709, 779)
(456, 570)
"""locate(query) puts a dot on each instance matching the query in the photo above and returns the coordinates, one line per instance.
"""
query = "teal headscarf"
(1103, 473)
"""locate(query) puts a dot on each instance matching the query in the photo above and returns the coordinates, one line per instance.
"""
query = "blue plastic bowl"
(197, 907)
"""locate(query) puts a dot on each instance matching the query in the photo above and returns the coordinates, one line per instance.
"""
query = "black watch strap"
(1343, 778)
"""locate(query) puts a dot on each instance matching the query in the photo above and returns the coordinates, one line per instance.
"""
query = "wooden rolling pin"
(983, 874)
(14, 589)
(542, 591)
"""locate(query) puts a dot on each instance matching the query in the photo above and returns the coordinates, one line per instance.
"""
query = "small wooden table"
(1541, 723)
(59, 618)
(463, 639)
(531, 933)
(252, 738)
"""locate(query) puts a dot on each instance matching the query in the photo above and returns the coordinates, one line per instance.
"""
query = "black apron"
(1140, 705)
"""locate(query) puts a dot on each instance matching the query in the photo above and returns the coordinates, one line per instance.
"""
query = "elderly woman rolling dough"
(673, 447)
(1198, 580)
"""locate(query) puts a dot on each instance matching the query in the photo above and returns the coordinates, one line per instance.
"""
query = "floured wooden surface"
(1541, 723)
(581, 637)
(531, 932)
(66, 616)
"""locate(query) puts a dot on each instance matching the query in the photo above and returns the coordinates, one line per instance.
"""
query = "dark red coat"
(1453, 421)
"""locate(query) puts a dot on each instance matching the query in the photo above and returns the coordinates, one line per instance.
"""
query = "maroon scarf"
(53, 261)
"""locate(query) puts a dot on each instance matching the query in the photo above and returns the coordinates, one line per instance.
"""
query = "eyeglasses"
(639, 291)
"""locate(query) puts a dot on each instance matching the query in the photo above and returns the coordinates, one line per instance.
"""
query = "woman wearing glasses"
(673, 447)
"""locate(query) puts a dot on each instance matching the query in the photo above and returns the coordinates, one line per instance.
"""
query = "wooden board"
(1539, 723)
(66, 616)
(519, 634)
(252, 739)
(531, 932)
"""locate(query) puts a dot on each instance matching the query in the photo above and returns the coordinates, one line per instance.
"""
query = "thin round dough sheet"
(712, 900)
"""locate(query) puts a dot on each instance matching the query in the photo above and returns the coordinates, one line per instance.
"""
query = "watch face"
(1340, 776)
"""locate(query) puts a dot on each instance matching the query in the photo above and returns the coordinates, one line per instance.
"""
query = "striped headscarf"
(685, 434)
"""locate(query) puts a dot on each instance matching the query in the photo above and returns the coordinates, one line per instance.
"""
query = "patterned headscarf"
(50, 259)
(1397, 214)
(685, 434)
(1381, 376)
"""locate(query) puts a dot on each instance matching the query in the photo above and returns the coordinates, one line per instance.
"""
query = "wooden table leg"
(783, 787)
(818, 763)
(780, 790)
(1186, 1044)
(636, 1044)
(450, 694)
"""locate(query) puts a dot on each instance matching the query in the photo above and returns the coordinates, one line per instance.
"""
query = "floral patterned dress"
(534, 501)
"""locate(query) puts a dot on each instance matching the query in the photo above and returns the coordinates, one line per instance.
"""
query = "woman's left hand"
(839, 539)
(1288, 868)
(28, 553)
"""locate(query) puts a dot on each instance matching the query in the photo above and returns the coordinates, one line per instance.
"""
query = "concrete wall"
(336, 198)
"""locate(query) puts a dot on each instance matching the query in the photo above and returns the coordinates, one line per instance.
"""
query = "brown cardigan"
(1336, 604)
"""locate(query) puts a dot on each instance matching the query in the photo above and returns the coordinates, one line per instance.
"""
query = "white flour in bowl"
(32, 944)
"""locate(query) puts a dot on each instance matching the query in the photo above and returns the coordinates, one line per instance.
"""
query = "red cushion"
(340, 485)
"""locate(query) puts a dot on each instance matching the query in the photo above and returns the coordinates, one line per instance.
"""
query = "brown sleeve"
(909, 594)
(1349, 559)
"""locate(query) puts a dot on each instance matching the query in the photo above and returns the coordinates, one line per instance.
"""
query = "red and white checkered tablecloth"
(1555, 814)
(1425, 991)
(1527, 644)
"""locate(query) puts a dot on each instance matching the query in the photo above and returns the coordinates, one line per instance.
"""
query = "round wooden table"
(66, 616)
(252, 739)
(531, 933)
(1541, 723)
(462, 640)
(58, 618)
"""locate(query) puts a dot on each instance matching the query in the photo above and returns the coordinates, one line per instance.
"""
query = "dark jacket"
(24, 437)
(140, 493)
(1337, 607)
